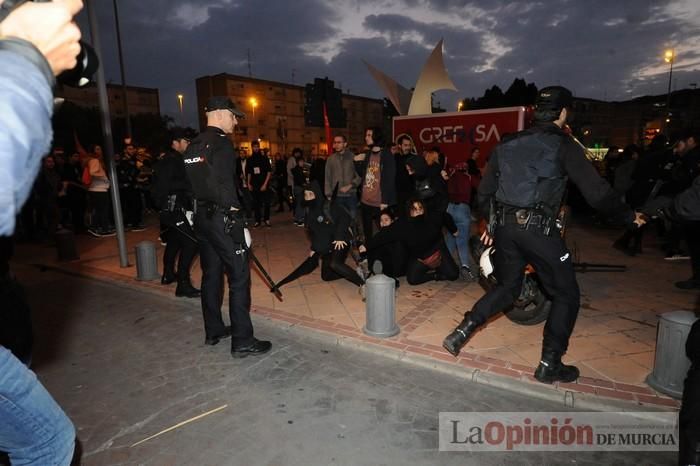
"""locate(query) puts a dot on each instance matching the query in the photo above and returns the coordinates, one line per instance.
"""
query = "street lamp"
(253, 103)
(180, 97)
(669, 57)
(460, 104)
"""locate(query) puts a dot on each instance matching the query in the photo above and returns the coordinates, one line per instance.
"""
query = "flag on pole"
(327, 125)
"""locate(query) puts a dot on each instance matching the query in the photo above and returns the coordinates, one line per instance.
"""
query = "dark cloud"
(601, 49)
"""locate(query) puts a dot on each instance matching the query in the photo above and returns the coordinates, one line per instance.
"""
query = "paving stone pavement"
(126, 365)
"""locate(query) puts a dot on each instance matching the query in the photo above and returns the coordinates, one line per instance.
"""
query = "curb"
(584, 394)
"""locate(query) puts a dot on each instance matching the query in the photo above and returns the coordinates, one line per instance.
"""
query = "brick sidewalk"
(613, 342)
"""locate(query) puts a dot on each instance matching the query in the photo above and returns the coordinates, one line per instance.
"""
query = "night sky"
(604, 49)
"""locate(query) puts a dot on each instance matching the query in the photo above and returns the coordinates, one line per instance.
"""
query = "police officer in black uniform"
(171, 192)
(521, 192)
(220, 227)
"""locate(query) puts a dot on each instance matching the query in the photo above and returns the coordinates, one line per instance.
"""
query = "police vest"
(530, 171)
(199, 165)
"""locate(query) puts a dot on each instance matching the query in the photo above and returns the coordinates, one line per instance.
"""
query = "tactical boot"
(459, 336)
(551, 369)
(186, 290)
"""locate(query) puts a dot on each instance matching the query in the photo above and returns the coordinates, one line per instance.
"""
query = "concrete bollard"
(146, 261)
(671, 364)
(65, 245)
(381, 305)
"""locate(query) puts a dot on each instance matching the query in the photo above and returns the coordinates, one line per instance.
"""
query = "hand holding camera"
(50, 28)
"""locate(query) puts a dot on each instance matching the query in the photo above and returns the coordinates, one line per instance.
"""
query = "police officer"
(219, 225)
(521, 192)
(171, 192)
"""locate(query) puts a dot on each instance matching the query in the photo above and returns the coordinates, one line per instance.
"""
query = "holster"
(234, 224)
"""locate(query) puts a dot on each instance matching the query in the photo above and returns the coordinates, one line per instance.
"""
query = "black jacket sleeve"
(687, 204)
(341, 220)
(488, 185)
(388, 178)
(597, 192)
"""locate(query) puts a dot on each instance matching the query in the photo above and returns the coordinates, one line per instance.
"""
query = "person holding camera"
(521, 193)
(220, 228)
(38, 41)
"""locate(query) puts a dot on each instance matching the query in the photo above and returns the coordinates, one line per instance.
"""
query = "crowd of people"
(647, 177)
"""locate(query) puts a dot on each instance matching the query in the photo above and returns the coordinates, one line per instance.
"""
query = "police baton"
(268, 280)
(266, 276)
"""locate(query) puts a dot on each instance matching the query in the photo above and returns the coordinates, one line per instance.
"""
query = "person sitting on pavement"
(331, 238)
(391, 255)
(421, 234)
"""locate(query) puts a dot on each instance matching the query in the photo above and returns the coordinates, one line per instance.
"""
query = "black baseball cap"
(554, 98)
(178, 133)
(222, 103)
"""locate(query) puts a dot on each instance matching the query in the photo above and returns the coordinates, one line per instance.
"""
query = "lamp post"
(460, 104)
(254, 103)
(669, 57)
(180, 98)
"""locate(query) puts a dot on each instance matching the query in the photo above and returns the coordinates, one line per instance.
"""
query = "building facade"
(275, 114)
(140, 99)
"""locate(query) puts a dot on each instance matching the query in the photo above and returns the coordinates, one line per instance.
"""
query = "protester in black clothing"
(127, 179)
(280, 176)
(76, 192)
(171, 193)
(392, 255)
(428, 184)
(329, 228)
(210, 161)
(47, 187)
(404, 182)
(299, 181)
(317, 172)
(259, 174)
(421, 234)
(521, 193)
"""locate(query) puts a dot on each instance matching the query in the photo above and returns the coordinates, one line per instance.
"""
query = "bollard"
(671, 364)
(381, 305)
(65, 245)
(146, 261)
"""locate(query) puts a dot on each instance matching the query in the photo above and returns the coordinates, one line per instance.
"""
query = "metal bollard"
(381, 305)
(146, 261)
(65, 245)
(671, 364)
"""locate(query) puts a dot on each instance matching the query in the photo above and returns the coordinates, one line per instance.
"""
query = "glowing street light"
(460, 104)
(180, 99)
(253, 103)
(669, 57)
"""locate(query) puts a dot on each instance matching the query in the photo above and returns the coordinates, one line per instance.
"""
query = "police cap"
(222, 103)
(553, 98)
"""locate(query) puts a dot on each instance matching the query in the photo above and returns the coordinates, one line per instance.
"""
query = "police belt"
(528, 219)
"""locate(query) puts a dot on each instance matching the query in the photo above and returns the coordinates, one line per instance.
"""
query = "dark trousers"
(218, 254)
(178, 244)
(514, 249)
(417, 272)
(333, 267)
(689, 415)
(692, 237)
(261, 202)
(393, 259)
(76, 204)
(99, 203)
(370, 219)
(132, 206)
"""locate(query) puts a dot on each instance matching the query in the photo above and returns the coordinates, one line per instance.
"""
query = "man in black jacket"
(258, 175)
(521, 193)
(219, 225)
(172, 195)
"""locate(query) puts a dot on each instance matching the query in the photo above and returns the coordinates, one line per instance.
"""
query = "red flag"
(327, 125)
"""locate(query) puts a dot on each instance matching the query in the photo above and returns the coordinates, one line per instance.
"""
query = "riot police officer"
(521, 192)
(172, 195)
(220, 227)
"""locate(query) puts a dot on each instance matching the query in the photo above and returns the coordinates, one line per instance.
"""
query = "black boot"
(459, 336)
(167, 278)
(551, 369)
(186, 290)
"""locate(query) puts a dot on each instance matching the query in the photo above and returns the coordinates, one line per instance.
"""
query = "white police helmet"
(486, 263)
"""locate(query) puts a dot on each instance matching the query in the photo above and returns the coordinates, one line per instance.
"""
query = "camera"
(88, 62)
